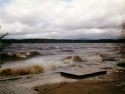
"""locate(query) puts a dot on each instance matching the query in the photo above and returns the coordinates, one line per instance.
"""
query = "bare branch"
(3, 35)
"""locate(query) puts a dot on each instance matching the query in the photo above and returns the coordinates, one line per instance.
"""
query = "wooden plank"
(30, 91)
(16, 89)
(82, 73)
(8, 91)
(3, 91)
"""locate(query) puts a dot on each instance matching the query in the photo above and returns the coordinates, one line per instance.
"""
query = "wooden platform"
(82, 73)
(15, 89)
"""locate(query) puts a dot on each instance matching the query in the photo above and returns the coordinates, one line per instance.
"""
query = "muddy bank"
(109, 84)
(82, 88)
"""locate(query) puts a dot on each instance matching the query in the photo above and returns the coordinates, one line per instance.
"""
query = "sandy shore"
(94, 87)
(54, 83)
(108, 84)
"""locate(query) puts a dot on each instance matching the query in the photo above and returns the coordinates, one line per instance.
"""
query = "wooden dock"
(83, 73)
(15, 89)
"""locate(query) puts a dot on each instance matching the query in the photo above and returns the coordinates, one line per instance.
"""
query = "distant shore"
(62, 40)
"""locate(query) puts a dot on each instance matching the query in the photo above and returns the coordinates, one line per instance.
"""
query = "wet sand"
(82, 88)
(108, 84)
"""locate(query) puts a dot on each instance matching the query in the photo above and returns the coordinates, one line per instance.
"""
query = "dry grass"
(32, 69)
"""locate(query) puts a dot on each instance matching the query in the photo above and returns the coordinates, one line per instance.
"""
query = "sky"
(62, 19)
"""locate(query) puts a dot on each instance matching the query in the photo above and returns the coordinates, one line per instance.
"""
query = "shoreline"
(107, 84)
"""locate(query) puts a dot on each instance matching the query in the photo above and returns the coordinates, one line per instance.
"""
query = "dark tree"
(3, 46)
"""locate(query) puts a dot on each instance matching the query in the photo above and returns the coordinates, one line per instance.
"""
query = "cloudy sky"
(70, 19)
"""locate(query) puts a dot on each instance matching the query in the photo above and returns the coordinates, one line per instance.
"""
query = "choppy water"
(53, 53)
